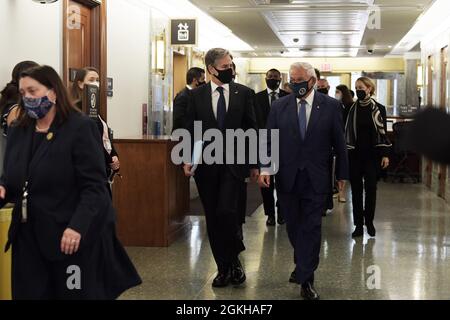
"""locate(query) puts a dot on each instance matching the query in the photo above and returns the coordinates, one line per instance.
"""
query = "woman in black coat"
(368, 153)
(63, 225)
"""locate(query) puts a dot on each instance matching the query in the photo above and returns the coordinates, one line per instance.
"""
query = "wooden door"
(443, 100)
(78, 37)
(429, 163)
(180, 63)
(84, 41)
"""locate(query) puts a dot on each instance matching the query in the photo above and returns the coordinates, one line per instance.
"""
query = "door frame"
(429, 163)
(442, 106)
(98, 45)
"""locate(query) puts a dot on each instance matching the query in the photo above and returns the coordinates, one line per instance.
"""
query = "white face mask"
(338, 96)
(95, 83)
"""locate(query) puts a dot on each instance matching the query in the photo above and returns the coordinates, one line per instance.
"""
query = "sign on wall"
(183, 32)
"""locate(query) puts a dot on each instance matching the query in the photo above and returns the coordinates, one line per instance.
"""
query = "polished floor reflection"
(408, 259)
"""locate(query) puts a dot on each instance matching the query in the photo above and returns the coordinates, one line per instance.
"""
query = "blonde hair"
(369, 83)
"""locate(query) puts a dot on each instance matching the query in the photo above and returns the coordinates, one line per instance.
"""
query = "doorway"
(442, 106)
(84, 42)
(429, 163)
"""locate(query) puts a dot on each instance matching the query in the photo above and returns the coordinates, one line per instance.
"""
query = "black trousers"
(302, 209)
(219, 192)
(269, 199)
(364, 170)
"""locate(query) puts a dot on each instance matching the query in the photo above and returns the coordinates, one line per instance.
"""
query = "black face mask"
(199, 84)
(323, 90)
(361, 94)
(300, 89)
(273, 84)
(225, 76)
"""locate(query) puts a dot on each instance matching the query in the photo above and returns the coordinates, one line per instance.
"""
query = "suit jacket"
(240, 115)
(66, 182)
(180, 105)
(325, 133)
(262, 107)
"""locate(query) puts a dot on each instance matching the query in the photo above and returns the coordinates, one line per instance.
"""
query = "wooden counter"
(152, 198)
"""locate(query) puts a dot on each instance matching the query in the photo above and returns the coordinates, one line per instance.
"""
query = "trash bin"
(5, 258)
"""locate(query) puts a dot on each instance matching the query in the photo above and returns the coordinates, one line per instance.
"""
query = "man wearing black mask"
(264, 100)
(222, 105)
(195, 77)
(323, 86)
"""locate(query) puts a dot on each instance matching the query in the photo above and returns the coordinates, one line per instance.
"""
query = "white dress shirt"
(277, 94)
(309, 103)
(216, 95)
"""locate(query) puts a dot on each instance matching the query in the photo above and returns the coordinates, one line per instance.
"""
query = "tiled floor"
(411, 252)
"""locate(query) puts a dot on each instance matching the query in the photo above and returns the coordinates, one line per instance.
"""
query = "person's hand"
(254, 174)
(70, 241)
(264, 180)
(385, 162)
(115, 165)
(341, 185)
(187, 170)
(2, 192)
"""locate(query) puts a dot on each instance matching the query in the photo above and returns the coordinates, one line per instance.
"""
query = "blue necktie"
(221, 109)
(302, 119)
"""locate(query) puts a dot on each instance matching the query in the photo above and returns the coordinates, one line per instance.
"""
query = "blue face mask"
(37, 108)
(300, 89)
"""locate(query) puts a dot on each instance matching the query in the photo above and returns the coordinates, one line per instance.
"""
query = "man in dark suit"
(195, 77)
(264, 100)
(222, 105)
(309, 125)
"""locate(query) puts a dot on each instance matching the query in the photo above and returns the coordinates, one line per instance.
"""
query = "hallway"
(411, 251)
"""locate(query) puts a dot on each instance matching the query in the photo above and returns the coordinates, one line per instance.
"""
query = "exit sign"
(326, 67)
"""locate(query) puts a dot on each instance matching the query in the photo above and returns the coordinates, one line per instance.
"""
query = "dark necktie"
(302, 119)
(273, 97)
(221, 109)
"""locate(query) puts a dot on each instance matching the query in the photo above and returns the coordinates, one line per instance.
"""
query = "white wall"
(128, 65)
(29, 31)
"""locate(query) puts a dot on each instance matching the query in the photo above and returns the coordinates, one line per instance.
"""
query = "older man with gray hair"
(310, 126)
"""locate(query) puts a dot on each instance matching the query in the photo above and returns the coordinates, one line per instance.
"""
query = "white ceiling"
(317, 28)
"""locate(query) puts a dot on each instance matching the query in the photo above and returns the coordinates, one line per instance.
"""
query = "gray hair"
(305, 66)
(215, 54)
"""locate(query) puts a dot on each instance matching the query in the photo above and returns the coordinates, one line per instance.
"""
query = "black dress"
(66, 178)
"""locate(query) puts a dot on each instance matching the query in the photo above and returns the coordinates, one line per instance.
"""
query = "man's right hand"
(187, 170)
(264, 180)
(2, 192)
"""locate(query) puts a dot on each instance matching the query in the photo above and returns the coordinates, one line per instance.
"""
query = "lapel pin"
(49, 136)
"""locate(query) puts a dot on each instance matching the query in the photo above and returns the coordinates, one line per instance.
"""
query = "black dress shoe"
(237, 273)
(222, 279)
(293, 277)
(270, 221)
(308, 292)
(280, 220)
(371, 229)
(359, 232)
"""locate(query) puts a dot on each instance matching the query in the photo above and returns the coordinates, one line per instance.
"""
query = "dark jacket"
(324, 134)
(107, 156)
(180, 105)
(240, 115)
(262, 107)
(67, 183)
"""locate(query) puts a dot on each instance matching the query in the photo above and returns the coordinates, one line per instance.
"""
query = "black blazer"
(240, 115)
(262, 107)
(180, 105)
(67, 183)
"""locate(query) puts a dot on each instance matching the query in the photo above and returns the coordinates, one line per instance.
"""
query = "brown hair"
(48, 77)
(369, 84)
(75, 90)
(346, 95)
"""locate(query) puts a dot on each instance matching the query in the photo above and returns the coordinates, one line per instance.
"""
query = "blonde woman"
(368, 150)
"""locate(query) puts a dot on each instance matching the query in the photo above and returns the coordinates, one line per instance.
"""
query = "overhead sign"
(183, 32)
